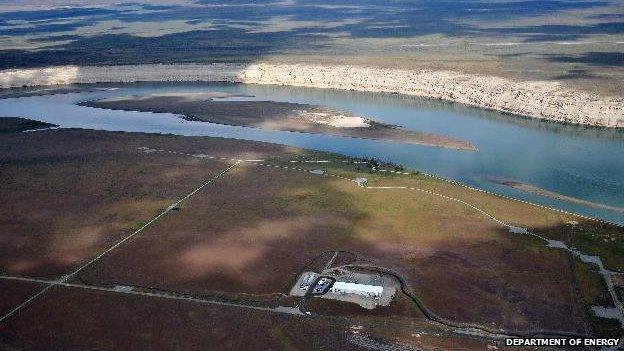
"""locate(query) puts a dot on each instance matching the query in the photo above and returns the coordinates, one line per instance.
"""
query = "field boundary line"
(164, 212)
(162, 295)
(72, 274)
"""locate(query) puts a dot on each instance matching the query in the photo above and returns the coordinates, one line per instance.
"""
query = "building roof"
(361, 288)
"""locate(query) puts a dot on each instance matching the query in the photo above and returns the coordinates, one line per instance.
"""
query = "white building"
(357, 289)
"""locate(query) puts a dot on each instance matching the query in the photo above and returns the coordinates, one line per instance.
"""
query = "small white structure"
(357, 289)
(361, 181)
(307, 280)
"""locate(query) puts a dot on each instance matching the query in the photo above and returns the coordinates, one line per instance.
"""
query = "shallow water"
(585, 163)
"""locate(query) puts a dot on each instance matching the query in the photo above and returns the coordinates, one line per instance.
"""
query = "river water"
(580, 162)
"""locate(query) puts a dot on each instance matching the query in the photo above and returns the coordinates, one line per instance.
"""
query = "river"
(578, 162)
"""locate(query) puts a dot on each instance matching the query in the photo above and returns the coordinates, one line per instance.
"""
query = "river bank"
(547, 100)
(503, 142)
(551, 194)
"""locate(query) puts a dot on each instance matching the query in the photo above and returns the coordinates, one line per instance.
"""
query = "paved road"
(161, 295)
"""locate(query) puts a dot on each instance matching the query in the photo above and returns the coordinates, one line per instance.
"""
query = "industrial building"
(366, 290)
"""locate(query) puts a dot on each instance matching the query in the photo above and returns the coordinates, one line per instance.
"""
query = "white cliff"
(539, 99)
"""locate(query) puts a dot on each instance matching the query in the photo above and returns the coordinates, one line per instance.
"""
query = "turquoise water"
(585, 163)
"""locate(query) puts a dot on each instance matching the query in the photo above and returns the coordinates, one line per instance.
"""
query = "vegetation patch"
(16, 124)
(249, 235)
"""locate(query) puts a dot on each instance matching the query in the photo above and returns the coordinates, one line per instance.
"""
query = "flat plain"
(118, 241)
(139, 227)
(578, 44)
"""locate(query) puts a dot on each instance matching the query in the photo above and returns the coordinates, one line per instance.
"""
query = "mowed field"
(243, 233)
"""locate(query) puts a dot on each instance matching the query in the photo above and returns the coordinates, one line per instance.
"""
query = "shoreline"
(547, 100)
(290, 117)
(529, 188)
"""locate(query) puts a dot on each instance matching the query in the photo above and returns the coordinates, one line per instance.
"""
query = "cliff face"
(126, 73)
(546, 100)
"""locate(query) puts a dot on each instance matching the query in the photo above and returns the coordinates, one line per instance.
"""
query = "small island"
(224, 108)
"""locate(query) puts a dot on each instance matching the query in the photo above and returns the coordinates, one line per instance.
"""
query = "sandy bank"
(539, 99)
(553, 195)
